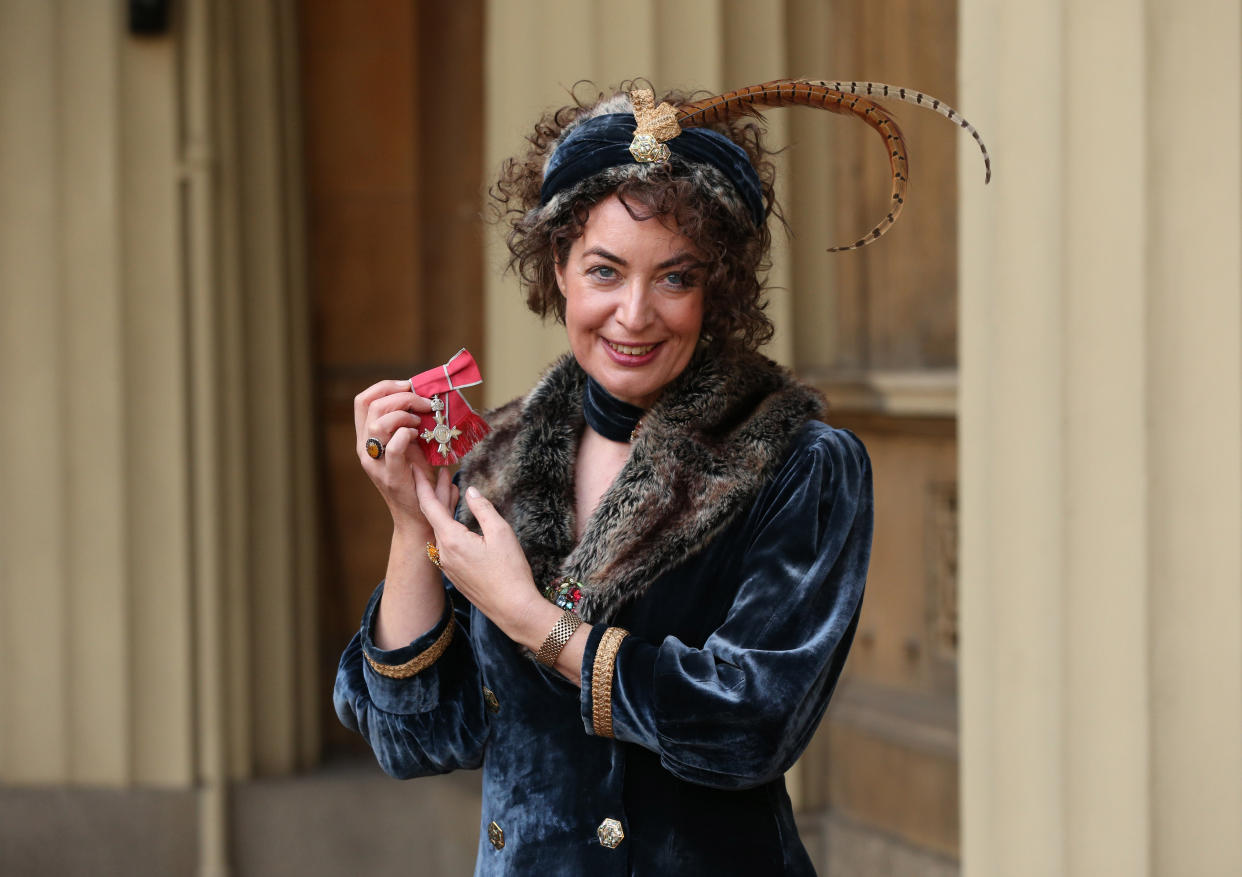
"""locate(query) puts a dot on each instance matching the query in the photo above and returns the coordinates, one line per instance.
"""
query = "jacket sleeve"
(432, 722)
(740, 710)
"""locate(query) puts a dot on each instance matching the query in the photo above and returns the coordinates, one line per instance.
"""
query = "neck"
(607, 415)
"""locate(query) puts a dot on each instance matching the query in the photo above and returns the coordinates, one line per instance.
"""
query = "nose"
(634, 309)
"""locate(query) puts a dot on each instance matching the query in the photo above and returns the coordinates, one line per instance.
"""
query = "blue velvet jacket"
(733, 547)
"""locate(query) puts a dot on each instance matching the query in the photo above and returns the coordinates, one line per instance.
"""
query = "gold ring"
(433, 554)
(375, 448)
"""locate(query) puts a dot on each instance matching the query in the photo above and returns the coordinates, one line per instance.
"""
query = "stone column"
(156, 546)
(95, 583)
(1101, 422)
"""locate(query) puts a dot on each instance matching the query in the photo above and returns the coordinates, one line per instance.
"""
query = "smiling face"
(633, 309)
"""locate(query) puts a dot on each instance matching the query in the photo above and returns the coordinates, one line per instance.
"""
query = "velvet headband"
(604, 142)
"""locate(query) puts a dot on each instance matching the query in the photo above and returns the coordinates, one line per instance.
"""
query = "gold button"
(610, 833)
(496, 835)
(489, 698)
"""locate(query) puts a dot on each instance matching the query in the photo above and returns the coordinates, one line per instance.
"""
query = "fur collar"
(714, 438)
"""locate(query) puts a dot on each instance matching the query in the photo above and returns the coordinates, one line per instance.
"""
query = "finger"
(385, 427)
(392, 403)
(387, 414)
(403, 438)
(407, 451)
(392, 453)
(387, 437)
(444, 489)
(433, 510)
(444, 484)
(362, 402)
(484, 512)
(405, 401)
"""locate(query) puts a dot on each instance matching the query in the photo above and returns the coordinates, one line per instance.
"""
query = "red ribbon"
(446, 382)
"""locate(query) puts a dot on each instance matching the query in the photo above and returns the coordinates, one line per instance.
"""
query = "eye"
(602, 272)
(681, 279)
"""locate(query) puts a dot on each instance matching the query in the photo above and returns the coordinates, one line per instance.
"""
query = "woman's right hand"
(390, 413)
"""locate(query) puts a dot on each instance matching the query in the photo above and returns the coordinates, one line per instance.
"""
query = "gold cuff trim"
(419, 662)
(601, 680)
(557, 638)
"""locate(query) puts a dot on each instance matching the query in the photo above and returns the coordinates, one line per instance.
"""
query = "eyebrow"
(679, 258)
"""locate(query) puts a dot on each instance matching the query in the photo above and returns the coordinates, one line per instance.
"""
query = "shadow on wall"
(347, 818)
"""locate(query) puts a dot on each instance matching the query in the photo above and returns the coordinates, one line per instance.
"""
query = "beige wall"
(94, 603)
(1101, 440)
(157, 560)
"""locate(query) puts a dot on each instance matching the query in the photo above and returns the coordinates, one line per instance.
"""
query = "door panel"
(392, 102)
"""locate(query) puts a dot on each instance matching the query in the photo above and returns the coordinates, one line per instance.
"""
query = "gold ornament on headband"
(654, 126)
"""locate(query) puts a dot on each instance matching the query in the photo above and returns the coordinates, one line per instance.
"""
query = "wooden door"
(392, 105)
(883, 769)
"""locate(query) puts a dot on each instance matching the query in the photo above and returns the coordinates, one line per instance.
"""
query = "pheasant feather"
(836, 97)
(919, 99)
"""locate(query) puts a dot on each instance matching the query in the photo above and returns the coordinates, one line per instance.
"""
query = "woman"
(651, 586)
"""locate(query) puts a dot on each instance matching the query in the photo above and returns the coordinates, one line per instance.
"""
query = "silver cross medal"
(442, 433)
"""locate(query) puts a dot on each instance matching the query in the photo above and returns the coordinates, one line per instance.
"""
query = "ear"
(559, 268)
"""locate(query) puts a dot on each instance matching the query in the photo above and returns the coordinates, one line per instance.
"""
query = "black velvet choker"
(608, 415)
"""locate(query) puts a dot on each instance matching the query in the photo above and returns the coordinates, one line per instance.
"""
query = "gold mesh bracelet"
(559, 636)
(601, 680)
(419, 662)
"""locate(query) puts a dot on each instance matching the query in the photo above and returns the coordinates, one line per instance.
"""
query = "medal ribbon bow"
(453, 427)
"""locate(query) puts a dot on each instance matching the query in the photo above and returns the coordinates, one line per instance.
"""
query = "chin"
(640, 390)
(642, 396)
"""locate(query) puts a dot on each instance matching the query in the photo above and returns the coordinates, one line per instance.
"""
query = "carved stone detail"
(941, 558)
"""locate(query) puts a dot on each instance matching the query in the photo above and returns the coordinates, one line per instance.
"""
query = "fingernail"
(472, 492)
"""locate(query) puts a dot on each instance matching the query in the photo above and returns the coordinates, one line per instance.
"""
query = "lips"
(631, 349)
(631, 355)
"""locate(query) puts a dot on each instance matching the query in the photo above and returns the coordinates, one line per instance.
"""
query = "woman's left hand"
(489, 569)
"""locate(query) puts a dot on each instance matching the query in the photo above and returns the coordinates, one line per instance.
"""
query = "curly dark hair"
(736, 250)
